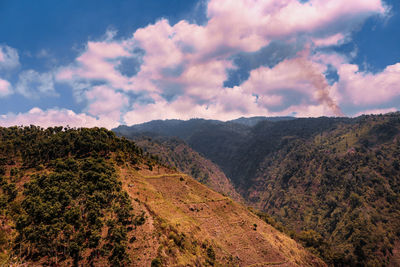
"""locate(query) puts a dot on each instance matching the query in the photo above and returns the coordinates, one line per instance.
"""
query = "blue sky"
(105, 63)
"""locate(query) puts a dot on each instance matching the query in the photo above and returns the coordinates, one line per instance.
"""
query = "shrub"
(156, 263)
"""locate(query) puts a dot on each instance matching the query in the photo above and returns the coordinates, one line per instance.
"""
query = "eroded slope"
(207, 228)
(176, 153)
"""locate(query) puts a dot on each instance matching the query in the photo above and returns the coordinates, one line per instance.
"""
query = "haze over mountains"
(331, 183)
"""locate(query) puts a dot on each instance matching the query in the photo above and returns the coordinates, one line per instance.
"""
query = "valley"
(330, 183)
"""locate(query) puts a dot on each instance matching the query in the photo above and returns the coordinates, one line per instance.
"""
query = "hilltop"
(87, 197)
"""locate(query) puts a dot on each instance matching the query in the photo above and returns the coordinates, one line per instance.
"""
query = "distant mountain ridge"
(174, 128)
(183, 128)
(252, 121)
(228, 144)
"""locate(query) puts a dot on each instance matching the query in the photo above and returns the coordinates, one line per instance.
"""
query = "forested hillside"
(84, 197)
(252, 121)
(61, 197)
(338, 189)
(177, 154)
(332, 183)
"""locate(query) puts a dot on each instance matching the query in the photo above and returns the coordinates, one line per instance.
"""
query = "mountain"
(176, 153)
(252, 121)
(338, 188)
(84, 197)
(217, 141)
(178, 128)
(331, 183)
(236, 148)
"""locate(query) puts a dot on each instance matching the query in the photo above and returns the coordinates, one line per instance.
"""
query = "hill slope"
(85, 197)
(343, 184)
(176, 153)
(196, 225)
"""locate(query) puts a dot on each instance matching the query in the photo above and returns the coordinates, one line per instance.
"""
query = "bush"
(211, 253)
(156, 263)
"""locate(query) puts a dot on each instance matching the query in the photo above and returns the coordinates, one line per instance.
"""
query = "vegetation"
(65, 200)
(331, 183)
(175, 153)
(72, 207)
(339, 189)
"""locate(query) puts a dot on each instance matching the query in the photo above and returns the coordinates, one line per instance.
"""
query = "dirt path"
(144, 242)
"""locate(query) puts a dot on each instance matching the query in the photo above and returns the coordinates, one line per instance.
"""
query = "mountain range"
(248, 192)
(332, 184)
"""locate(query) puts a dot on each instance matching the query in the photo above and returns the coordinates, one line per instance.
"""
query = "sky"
(105, 63)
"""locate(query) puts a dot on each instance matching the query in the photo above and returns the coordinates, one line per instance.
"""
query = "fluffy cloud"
(33, 84)
(5, 88)
(258, 21)
(332, 40)
(200, 56)
(181, 69)
(9, 58)
(363, 88)
(295, 80)
(106, 104)
(99, 63)
(51, 117)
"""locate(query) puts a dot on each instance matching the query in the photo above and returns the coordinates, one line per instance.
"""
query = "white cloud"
(33, 84)
(5, 88)
(256, 22)
(9, 58)
(202, 55)
(51, 117)
(106, 104)
(332, 40)
(185, 65)
(98, 63)
(293, 78)
(363, 88)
